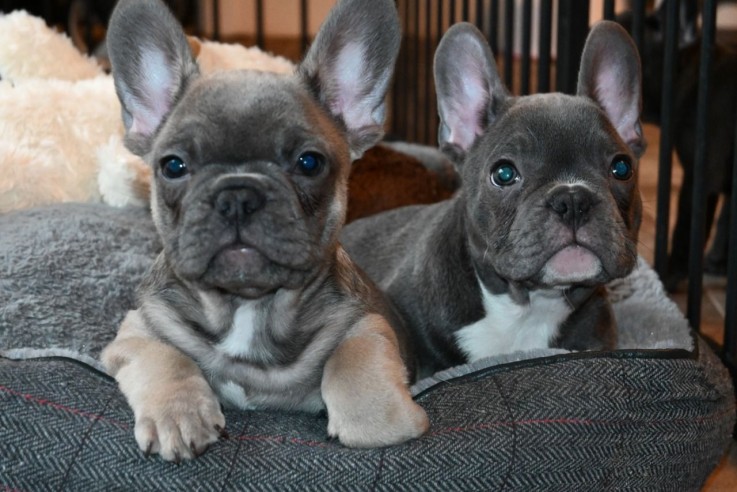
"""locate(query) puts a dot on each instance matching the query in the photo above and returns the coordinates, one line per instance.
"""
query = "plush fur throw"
(61, 130)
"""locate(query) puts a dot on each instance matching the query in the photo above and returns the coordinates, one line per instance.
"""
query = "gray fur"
(430, 259)
(245, 226)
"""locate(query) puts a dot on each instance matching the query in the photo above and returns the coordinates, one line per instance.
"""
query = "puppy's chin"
(572, 265)
(239, 258)
(244, 271)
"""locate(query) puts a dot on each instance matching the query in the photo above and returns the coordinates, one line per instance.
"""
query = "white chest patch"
(509, 327)
(240, 337)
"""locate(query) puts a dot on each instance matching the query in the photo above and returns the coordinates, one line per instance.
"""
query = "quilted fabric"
(627, 420)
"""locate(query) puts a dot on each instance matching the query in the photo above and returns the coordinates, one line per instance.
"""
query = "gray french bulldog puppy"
(253, 302)
(547, 213)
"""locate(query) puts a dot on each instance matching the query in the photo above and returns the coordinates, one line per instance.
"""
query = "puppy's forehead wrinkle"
(225, 98)
(548, 116)
(506, 148)
(241, 175)
(250, 84)
(254, 138)
(572, 180)
(238, 117)
(547, 127)
(559, 149)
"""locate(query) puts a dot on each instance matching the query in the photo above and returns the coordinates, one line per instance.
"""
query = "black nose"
(239, 203)
(572, 204)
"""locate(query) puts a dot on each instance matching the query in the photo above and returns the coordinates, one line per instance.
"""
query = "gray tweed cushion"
(655, 413)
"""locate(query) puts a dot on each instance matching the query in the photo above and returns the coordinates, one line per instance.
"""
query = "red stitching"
(5, 488)
(57, 406)
(567, 421)
(439, 432)
(305, 442)
(276, 439)
(492, 425)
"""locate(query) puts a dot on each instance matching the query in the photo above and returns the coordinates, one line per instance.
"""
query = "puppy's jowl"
(548, 210)
(253, 299)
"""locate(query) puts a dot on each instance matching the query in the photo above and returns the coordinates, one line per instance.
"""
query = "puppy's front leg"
(365, 389)
(177, 413)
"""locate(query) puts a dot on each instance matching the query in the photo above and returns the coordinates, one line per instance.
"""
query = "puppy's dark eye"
(504, 174)
(622, 168)
(172, 167)
(310, 163)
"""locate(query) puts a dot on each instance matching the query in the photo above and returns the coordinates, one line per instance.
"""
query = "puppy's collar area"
(509, 326)
(521, 292)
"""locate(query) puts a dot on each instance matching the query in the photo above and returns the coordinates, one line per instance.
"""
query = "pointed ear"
(152, 65)
(349, 66)
(610, 75)
(468, 86)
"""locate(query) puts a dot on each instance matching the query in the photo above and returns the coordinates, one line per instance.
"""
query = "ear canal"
(151, 63)
(610, 75)
(468, 88)
(350, 64)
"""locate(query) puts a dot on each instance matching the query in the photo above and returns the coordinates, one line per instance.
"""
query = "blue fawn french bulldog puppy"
(547, 213)
(253, 302)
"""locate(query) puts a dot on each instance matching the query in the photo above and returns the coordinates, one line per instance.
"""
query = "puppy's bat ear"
(610, 75)
(468, 86)
(349, 66)
(152, 65)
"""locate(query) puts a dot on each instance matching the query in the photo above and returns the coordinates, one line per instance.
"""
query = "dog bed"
(655, 414)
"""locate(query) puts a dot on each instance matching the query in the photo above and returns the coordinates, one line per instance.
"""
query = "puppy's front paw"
(361, 424)
(180, 422)
(365, 390)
